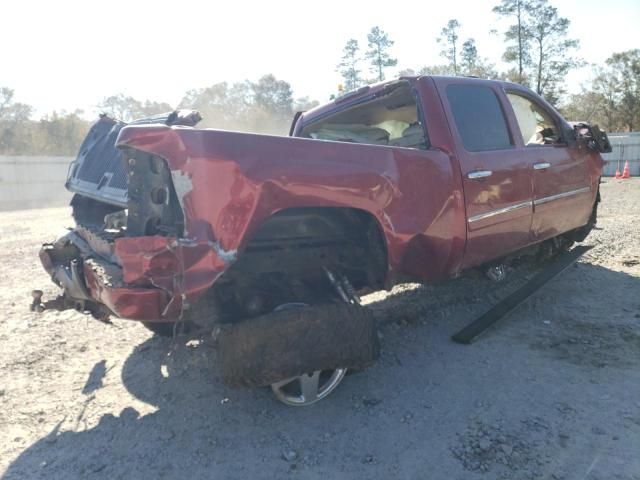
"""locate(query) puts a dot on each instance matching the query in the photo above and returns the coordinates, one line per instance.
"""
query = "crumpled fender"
(229, 183)
(183, 269)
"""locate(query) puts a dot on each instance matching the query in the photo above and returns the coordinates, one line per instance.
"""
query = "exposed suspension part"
(343, 287)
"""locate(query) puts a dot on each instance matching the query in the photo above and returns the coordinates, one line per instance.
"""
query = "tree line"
(538, 54)
(537, 50)
(264, 106)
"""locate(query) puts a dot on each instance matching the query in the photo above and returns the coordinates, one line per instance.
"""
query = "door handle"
(479, 174)
(541, 165)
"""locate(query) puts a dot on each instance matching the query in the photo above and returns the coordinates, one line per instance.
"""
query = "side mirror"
(592, 137)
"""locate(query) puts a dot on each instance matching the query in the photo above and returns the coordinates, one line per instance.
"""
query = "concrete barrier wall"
(33, 182)
(626, 148)
(38, 182)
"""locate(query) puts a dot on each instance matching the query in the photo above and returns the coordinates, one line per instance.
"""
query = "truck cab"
(524, 176)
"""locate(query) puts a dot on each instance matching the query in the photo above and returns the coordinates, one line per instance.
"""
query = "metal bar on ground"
(476, 328)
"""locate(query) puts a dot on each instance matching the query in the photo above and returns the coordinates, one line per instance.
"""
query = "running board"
(476, 328)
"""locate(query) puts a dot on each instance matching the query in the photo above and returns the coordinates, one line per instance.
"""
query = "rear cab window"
(390, 118)
(479, 118)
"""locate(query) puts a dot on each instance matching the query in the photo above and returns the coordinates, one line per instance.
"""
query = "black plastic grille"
(100, 169)
(98, 155)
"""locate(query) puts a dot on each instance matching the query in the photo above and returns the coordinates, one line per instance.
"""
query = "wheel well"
(286, 257)
(336, 238)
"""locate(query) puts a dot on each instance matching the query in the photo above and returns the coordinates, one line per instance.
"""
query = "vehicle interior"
(390, 118)
(536, 125)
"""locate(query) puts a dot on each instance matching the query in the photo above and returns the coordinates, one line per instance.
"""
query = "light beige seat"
(355, 133)
(412, 137)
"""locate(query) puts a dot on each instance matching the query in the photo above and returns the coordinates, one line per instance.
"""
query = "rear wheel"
(303, 343)
(310, 387)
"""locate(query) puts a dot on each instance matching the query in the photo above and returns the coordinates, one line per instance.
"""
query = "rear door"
(497, 181)
(562, 193)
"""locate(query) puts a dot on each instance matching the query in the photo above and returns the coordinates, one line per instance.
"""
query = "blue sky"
(70, 54)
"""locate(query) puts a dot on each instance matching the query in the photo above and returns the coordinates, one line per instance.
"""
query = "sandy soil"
(553, 392)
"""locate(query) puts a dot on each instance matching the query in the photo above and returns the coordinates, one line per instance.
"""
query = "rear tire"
(289, 343)
(301, 348)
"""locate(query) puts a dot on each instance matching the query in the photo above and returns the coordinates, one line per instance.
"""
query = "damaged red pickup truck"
(267, 241)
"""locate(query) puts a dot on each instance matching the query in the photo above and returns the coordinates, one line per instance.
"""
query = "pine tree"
(378, 53)
(449, 40)
(348, 66)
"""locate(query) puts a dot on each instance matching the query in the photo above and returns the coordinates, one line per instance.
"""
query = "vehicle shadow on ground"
(202, 428)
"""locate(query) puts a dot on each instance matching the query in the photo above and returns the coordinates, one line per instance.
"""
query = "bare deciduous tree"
(623, 69)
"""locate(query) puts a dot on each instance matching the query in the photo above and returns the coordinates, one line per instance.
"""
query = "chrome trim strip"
(500, 211)
(551, 198)
(479, 174)
(517, 206)
(541, 165)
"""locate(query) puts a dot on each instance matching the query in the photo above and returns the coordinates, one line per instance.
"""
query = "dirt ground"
(553, 392)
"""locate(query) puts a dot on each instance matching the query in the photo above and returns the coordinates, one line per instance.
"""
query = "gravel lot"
(553, 392)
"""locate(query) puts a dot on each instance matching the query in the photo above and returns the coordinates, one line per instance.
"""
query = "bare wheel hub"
(308, 388)
(497, 273)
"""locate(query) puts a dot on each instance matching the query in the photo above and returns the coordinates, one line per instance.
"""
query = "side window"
(536, 126)
(479, 118)
(390, 118)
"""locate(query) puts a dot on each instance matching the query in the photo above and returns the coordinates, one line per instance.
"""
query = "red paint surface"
(416, 196)
(128, 302)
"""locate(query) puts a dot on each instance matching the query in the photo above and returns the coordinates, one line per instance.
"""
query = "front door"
(496, 180)
(561, 183)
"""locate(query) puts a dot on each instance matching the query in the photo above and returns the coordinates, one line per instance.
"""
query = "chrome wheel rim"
(307, 388)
